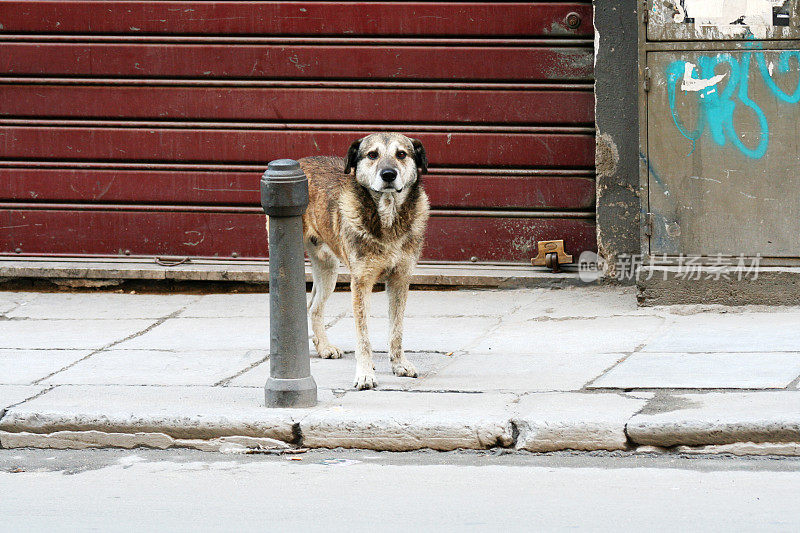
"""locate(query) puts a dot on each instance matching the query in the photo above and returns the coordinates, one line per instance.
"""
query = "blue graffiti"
(716, 107)
(651, 169)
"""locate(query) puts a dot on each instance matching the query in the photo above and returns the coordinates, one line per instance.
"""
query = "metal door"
(141, 128)
(723, 132)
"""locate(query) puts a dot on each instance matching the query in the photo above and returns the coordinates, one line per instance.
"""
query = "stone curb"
(588, 422)
(718, 418)
(397, 421)
(219, 419)
(745, 448)
(386, 421)
(180, 412)
(79, 440)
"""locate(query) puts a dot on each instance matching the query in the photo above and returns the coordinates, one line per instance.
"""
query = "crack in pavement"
(454, 355)
(491, 329)
(5, 409)
(335, 320)
(596, 317)
(17, 306)
(225, 381)
(666, 322)
(120, 341)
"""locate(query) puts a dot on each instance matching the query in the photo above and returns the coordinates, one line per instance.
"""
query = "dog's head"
(386, 162)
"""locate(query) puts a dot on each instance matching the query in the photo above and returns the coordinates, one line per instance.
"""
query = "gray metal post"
(284, 197)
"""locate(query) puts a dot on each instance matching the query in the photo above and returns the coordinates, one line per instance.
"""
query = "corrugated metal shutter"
(142, 128)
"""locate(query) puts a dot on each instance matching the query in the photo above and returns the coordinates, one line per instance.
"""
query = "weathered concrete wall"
(669, 285)
(616, 118)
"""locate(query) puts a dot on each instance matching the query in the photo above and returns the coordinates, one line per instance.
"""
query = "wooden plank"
(299, 104)
(297, 18)
(260, 146)
(290, 61)
(242, 188)
(210, 234)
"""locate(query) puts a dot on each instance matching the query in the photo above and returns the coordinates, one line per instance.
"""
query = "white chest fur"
(388, 205)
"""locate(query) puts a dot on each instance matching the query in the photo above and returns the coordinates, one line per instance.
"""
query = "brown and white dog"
(369, 211)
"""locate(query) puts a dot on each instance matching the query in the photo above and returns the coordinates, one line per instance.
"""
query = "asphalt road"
(145, 490)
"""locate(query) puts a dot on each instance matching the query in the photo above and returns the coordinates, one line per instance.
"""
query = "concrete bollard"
(284, 197)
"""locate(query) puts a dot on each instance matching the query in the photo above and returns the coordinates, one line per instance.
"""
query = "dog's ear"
(352, 156)
(419, 156)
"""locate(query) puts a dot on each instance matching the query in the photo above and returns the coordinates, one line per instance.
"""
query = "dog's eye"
(401, 155)
(373, 154)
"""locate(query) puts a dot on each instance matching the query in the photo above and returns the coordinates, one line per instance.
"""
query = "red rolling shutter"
(142, 128)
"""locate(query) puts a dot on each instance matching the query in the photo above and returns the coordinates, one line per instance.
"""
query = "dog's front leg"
(397, 283)
(361, 289)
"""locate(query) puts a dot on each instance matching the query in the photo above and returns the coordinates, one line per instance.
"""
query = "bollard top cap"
(283, 165)
(284, 189)
(284, 170)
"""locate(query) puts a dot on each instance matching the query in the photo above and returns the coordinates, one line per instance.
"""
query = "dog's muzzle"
(388, 175)
(389, 180)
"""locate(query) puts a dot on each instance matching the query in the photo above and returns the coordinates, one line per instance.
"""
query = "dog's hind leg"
(397, 283)
(324, 268)
(361, 288)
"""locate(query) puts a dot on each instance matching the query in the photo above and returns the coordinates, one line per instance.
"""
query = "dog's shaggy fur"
(372, 219)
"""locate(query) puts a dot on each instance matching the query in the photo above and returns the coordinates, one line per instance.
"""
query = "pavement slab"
(774, 370)
(102, 305)
(578, 421)
(11, 300)
(583, 336)
(13, 394)
(718, 418)
(204, 334)
(180, 412)
(427, 304)
(517, 372)
(339, 373)
(497, 368)
(150, 367)
(577, 302)
(228, 305)
(23, 367)
(67, 334)
(443, 334)
(397, 421)
(734, 332)
(341, 302)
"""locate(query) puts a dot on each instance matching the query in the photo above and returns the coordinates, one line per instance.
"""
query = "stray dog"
(374, 221)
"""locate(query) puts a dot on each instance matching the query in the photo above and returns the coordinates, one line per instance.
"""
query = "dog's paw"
(404, 368)
(329, 352)
(365, 381)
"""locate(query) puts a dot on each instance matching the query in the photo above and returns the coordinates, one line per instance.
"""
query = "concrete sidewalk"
(540, 369)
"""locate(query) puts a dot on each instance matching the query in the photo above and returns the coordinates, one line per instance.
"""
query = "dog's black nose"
(388, 174)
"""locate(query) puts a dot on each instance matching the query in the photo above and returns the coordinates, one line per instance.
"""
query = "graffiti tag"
(717, 106)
